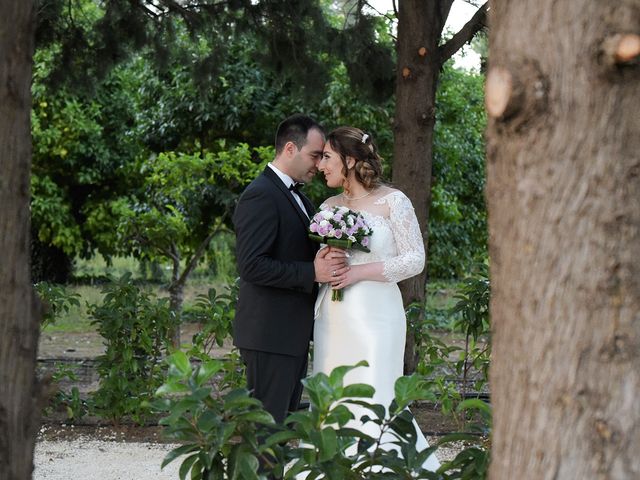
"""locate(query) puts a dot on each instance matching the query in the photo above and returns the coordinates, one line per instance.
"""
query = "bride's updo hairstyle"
(353, 142)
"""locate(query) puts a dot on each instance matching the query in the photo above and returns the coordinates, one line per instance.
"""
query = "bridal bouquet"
(343, 228)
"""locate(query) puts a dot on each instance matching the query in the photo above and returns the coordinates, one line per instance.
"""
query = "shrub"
(136, 329)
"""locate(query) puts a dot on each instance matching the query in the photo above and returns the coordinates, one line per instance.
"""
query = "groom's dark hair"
(295, 129)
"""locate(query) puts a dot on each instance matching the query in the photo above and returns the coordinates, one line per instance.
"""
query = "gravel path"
(84, 458)
(87, 458)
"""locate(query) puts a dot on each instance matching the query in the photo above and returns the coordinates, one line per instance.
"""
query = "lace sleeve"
(406, 233)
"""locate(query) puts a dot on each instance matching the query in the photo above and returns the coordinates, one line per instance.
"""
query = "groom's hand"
(330, 265)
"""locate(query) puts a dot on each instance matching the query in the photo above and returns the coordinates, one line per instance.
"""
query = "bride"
(369, 323)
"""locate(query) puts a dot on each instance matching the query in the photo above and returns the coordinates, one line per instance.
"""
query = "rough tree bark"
(420, 59)
(19, 321)
(563, 192)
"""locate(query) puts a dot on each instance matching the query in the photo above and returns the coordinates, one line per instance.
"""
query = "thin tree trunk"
(419, 27)
(176, 299)
(19, 322)
(563, 195)
(179, 280)
(176, 296)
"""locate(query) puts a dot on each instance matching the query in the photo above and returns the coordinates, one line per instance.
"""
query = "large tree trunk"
(563, 194)
(419, 27)
(19, 323)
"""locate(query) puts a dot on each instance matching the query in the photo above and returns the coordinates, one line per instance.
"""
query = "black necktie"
(295, 187)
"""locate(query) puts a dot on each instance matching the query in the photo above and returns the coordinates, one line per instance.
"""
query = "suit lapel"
(271, 175)
(308, 206)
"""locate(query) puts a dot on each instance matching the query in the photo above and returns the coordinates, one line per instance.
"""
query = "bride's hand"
(349, 278)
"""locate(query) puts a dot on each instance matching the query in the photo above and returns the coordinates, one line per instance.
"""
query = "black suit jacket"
(275, 263)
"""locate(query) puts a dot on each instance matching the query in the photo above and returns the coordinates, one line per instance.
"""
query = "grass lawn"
(92, 273)
(440, 294)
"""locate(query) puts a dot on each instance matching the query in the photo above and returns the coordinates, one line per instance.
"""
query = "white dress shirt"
(288, 181)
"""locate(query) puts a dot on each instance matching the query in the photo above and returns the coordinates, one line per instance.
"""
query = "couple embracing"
(284, 278)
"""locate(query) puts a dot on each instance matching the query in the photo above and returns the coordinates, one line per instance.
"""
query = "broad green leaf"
(186, 466)
(361, 390)
(176, 452)
(328, 444)
(180, 361)
(207, 370)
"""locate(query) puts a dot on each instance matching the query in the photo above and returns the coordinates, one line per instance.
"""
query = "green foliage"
(474, 323)
(136, 329)
(182, 198)
(83, 149)
(457, 219)
(230, 436)
(175, 93)
(52, 217)
(75, 406)
(221, 259)
(473, 303)
(455, 372)
(56, 300)
(472, 463)
(215, 312)
(218, 435)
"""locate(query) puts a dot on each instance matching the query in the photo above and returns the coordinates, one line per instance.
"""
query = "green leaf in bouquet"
(338, 242)
(316, 238)
(362, 248)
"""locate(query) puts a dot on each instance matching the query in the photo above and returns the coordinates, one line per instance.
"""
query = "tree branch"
(466, 33)
(167, 252)
(193, 261)
(387, 16)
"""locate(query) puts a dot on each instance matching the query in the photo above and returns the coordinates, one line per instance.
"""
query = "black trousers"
(274, 379)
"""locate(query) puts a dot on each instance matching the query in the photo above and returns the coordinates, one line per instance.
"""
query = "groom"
(279, 267)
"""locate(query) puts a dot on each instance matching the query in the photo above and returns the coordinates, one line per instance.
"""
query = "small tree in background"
(185, 201)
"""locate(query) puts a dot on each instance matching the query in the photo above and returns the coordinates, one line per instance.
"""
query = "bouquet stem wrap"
(342, 228)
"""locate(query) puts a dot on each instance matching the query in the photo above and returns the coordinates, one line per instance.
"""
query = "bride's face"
(332, 168)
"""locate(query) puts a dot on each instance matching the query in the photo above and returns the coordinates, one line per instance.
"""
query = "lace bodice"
(396, 239)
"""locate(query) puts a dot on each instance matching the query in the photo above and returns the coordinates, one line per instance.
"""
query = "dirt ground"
(90, 344)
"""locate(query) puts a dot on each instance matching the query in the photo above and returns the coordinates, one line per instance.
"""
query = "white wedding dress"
(369, 323)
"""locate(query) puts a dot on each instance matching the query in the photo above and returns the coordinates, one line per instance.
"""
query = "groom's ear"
(290, 148)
